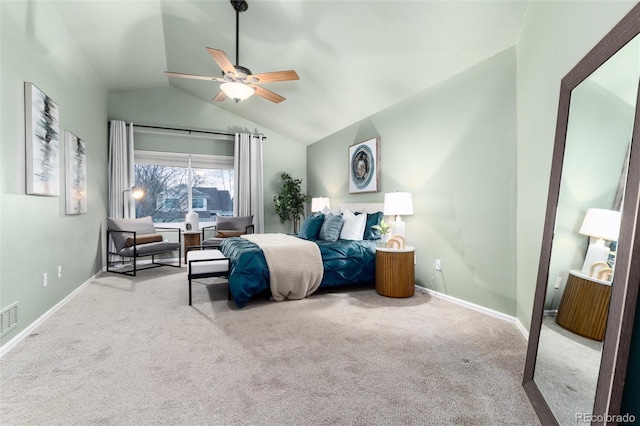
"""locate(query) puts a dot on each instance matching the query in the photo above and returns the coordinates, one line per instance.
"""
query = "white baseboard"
(484, 310)
(522, 329)
(31, 327)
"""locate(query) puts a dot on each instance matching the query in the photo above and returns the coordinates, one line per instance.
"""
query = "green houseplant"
(384, 228)
(290, 201)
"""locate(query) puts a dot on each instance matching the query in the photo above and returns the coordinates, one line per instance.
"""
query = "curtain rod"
(179, 129)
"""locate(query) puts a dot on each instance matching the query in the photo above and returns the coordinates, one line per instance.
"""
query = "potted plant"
(290, 201)
(384, 229)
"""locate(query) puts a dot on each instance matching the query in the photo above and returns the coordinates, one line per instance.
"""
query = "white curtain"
(121, 170)
(248, 185)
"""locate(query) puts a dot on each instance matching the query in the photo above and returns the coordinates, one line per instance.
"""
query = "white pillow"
(353, 226)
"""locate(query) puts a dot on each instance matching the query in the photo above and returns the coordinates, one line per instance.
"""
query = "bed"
(344, 262)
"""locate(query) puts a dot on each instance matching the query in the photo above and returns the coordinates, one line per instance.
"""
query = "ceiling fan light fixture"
(236, 91)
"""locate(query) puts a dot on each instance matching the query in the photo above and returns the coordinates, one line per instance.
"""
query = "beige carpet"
(131, 351)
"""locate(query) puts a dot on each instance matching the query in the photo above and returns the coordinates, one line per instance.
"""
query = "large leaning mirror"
(585, 301)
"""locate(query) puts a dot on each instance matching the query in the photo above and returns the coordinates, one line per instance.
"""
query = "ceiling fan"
(238, 83)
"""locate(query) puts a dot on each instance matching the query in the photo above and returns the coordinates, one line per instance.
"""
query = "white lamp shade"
(601, 223)
(398, 203)
(236, 91)
(317, 204)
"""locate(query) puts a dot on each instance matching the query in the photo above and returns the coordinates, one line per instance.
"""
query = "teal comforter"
(345, 262)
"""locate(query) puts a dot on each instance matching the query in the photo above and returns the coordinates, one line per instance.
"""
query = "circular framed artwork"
(364, 167)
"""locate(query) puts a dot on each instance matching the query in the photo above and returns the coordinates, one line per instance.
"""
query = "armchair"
(228, 227)
(134, 238)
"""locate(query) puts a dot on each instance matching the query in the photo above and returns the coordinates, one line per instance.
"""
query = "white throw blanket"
(295, 265)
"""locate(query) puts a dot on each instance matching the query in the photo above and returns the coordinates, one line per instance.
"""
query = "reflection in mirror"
(601, 119)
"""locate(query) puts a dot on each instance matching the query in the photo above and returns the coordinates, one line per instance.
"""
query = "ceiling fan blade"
(222, 60)
(219, 97)
(267, 94)
(274, 76)
(192, 76)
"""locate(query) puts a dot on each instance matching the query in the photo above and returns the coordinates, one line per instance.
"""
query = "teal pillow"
(372, 220)
(310, 228)
(331, 227)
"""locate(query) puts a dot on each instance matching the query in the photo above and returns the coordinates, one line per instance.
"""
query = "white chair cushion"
(207, 263)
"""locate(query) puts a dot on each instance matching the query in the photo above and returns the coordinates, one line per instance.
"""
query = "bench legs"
(191, 297)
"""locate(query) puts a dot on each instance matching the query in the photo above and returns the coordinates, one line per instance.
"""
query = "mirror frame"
(624, 292)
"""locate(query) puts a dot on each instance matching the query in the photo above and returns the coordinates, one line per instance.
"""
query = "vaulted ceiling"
(354, 58)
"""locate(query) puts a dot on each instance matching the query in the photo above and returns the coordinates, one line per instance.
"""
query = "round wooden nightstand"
(395, 272)
(584, 307)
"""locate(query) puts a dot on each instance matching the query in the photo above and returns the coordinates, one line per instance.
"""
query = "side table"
(584, 307)
(395, 271)
(191, 238)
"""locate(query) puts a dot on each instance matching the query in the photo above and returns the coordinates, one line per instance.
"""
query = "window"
(199, 204)
(164, 177)
(170, 203)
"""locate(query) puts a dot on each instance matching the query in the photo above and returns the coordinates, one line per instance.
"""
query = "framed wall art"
(42, 118)
(364, 166)
(76, 174)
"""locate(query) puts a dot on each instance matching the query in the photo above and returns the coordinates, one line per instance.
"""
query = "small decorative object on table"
(397, 242)
(384, 229)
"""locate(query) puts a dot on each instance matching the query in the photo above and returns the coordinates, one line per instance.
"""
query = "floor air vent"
(8, 318)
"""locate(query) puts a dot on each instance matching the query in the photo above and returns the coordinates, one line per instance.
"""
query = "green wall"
(453, 147)
(171, 107)
(37, 235)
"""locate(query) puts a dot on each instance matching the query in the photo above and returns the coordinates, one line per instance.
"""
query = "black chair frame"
(135, 256)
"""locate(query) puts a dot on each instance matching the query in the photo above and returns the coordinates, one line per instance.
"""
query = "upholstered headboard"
(362, 207)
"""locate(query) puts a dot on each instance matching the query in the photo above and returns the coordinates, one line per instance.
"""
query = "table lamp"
(396, 204)
(603, 225)
(319, 203)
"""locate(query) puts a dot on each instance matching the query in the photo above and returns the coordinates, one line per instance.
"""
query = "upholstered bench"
(206, 264)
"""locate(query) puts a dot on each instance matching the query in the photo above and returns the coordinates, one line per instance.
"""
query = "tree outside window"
(166, 192)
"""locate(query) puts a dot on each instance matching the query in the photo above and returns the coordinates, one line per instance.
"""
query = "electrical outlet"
(558, 282)
(438, 265)
(59, 271)
(44, 279)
